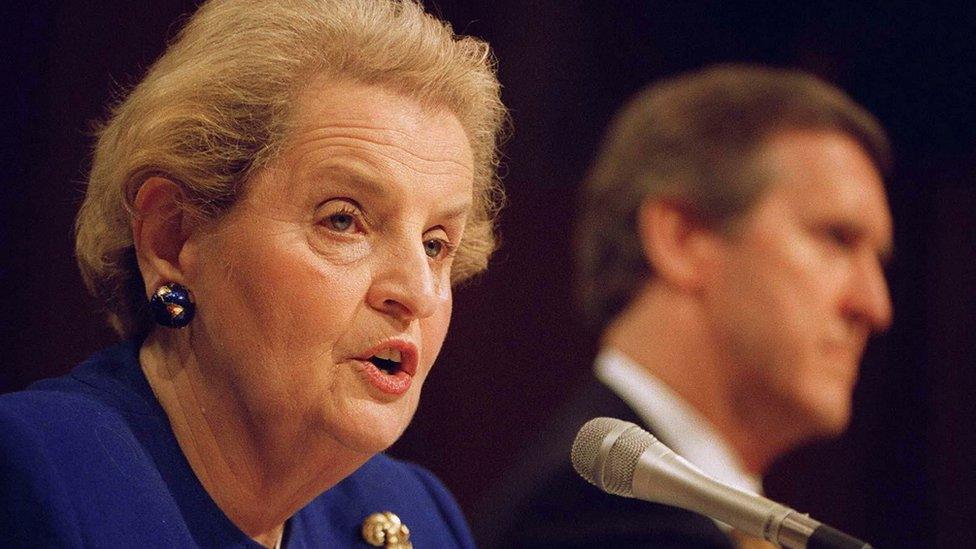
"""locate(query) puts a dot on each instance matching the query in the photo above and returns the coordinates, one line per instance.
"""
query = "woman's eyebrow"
(363, 183)
(456, 212)
(352, 178)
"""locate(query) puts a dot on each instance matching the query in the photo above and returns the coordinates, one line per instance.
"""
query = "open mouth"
(390, 366)
(388, 361)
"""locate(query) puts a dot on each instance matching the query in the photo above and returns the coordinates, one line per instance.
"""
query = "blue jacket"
(89, 459)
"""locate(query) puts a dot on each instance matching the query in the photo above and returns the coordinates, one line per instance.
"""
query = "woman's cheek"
(339, 249)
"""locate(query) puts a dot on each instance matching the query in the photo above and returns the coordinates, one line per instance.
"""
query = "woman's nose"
(404, 284)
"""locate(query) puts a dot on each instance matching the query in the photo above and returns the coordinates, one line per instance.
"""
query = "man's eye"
(341, 222)
(433, 247)
(841, 236)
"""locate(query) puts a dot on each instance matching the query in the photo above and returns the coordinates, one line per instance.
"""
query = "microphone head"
(606, 451)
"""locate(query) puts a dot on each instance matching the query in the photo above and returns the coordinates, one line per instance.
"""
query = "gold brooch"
(385, 530)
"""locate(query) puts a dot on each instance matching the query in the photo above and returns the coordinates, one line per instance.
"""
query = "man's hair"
(694, 139)
(216, 108)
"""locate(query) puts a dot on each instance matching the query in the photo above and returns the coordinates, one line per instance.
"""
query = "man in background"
(730, 247)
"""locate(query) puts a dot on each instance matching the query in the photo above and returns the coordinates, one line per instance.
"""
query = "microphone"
(620, 458)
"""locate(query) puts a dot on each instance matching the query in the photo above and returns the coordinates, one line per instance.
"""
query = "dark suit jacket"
(89, 460)
(546, 504)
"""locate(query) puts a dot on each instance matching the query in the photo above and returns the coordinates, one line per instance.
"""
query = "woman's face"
(324, 295)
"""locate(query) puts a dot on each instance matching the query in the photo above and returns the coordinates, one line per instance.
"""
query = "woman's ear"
(678, 246)
(159, 231)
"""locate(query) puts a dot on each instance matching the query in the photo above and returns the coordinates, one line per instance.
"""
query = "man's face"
(800, 285)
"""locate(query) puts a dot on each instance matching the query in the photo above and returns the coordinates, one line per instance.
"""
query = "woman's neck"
(259, 473)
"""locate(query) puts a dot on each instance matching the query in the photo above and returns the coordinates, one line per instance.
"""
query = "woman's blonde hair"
(215, 108)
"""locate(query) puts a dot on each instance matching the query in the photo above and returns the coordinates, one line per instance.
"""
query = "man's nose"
(868, 298)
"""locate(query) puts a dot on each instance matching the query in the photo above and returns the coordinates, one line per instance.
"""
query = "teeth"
(389, 354)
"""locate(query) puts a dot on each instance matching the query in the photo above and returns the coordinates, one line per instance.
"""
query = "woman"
(274, 219)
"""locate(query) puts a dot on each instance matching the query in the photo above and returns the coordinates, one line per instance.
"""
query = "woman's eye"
(433, 247)
(341, 222)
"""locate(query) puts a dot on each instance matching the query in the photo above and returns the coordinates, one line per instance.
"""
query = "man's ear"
(159, 231)
(678, 246)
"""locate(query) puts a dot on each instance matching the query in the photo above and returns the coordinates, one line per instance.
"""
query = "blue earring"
(172, 305)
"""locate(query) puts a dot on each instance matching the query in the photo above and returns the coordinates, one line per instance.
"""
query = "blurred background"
(901, 477)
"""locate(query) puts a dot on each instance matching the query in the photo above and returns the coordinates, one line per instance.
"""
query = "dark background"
(902, 475)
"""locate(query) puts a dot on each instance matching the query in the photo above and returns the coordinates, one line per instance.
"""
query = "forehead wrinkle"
(395, 139)
(353, 126)
(367, 156)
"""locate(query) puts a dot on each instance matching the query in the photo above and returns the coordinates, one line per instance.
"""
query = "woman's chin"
(370, 427)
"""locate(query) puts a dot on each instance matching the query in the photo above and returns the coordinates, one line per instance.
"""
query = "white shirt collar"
(673, 419)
